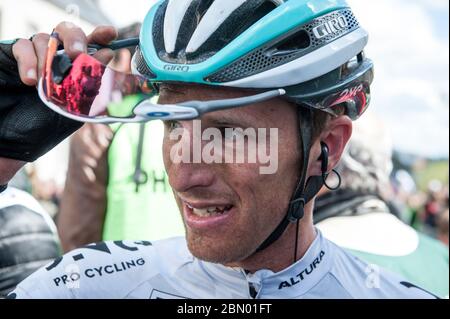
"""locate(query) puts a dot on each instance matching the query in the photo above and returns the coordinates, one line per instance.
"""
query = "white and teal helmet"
(311, 50)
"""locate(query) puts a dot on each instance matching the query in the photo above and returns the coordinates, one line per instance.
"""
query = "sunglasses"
(88, 91)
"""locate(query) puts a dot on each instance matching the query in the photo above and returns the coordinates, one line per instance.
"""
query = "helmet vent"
(243, 18)
(238, 22)
(298, 43)
(259, 12)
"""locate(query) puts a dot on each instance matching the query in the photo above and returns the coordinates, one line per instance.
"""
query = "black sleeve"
(28, 129)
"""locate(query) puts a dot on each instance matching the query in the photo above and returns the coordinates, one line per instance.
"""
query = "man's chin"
(217, 252)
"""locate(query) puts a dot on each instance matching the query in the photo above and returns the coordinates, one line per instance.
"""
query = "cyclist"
(248, 235)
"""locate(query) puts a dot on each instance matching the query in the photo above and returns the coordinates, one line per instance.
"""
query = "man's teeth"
(210, 211)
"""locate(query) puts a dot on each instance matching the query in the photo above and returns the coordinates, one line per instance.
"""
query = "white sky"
(126, 12)
(409, 45)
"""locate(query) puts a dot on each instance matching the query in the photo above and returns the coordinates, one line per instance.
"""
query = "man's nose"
(189, 171)
(184, 176)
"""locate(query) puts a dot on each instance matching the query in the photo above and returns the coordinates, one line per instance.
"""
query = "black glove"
(28, 129)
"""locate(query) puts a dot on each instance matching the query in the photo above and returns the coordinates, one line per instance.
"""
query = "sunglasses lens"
(87, 88)
(356, 99)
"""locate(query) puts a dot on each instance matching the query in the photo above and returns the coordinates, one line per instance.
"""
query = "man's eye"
(172, 125)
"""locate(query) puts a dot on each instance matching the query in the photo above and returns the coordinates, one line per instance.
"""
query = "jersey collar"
(292, 282)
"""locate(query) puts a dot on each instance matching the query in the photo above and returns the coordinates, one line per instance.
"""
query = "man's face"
(229, 209)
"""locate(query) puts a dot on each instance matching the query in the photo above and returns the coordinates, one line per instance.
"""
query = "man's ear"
(335, 136)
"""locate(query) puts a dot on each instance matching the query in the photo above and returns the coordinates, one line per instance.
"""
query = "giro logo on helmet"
(330, 27)
(176, 68)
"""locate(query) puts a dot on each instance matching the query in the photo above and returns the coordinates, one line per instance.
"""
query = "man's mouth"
(209, 211)
(204, 216)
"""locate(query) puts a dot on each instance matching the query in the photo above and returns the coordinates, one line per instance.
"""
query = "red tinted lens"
(90, 89)
(356, 100)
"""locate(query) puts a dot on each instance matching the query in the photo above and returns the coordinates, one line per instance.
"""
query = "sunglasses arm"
(165, 112)
(204, 107)
(195, 109)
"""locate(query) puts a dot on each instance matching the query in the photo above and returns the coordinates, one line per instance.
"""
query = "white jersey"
(167, 270)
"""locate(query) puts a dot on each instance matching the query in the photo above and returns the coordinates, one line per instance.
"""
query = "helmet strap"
(306, 189)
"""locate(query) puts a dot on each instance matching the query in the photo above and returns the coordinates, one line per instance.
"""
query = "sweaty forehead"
(268, 112)
(171, 93)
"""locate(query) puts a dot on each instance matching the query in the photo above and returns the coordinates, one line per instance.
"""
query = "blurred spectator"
(117, 187)
(361, 216)
(433, 206)
(28, 238)
(442, 226)
(47, 176)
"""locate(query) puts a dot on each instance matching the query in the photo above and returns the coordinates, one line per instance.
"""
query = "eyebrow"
(230, 121)
(170, 89)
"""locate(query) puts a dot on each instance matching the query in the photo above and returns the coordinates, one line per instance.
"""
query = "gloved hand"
(28, 129)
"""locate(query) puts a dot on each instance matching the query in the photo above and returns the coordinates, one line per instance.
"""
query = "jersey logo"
(303, 274)
(73, 273)
(101, 247)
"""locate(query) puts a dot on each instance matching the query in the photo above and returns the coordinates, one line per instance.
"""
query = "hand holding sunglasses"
(29, 129)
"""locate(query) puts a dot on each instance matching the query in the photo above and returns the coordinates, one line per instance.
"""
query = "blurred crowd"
(427, 209)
